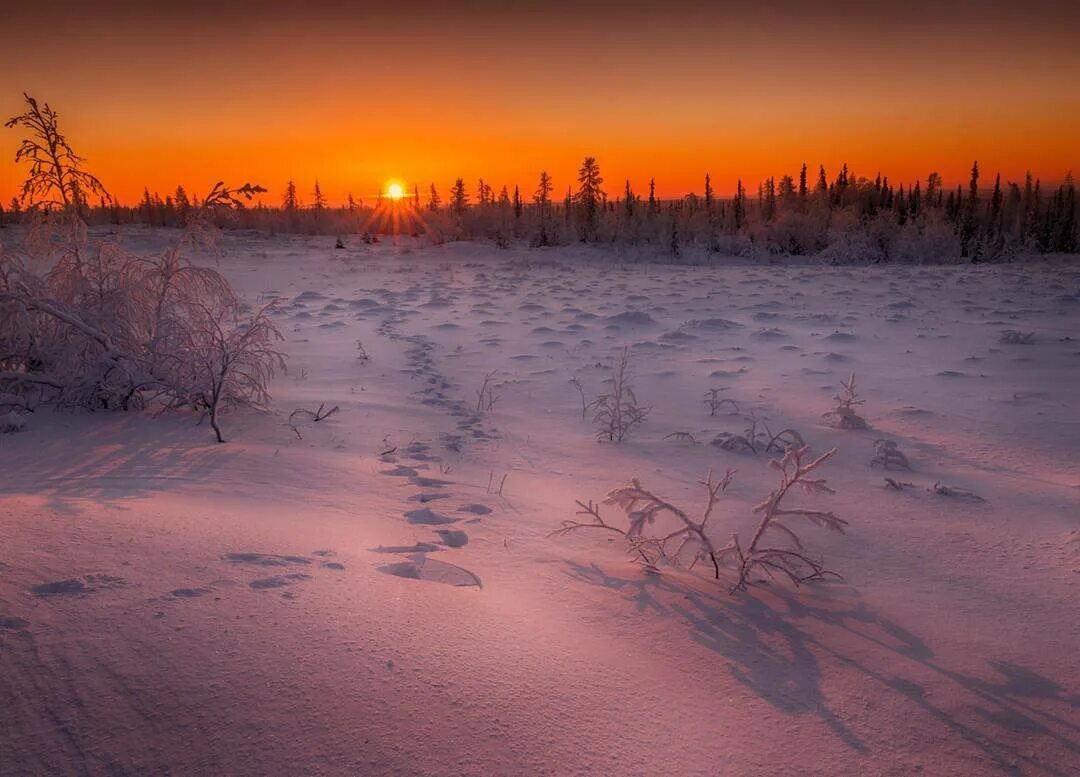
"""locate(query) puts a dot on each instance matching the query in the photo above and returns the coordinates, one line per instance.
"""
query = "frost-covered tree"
(57, 178)
(85, 323)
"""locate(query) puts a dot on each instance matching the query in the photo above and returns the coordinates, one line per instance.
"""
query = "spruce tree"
(589, 198)
(933, 190)
(1026, 203)
(901, 207)
(787, 191)
(770, 198)
(318, 203)
(290, 204)
(1036, 206)
(542, 198)
(459, 198)
(1066, 237)
(183, 205)
(968, 223)
(995, 225)
(739, 205)
(673, 240)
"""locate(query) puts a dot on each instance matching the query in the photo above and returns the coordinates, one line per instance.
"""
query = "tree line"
(843, 217)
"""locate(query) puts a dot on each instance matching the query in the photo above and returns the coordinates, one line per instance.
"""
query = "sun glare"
(395, 190)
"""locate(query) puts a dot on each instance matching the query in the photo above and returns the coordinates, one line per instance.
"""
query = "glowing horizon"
(357, 97)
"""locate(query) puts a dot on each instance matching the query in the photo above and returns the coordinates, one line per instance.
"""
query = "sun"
(395, 190)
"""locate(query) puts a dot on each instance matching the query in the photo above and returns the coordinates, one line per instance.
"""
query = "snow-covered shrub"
(852, 245)
(714, 401)
(755, 440)
(887, 455)
(797, 234)
(790, 559)
(843, 416)
(774, 548)
(925, 242)
(86, 323)
(688, 543)
(618, 411)
(224, 358)
(104, 329)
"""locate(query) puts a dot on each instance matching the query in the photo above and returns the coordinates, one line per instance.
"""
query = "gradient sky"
(357, 93)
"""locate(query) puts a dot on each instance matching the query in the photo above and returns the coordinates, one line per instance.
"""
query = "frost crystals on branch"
(774, 548)
(618, 411)
(642, 508)
(793, 561)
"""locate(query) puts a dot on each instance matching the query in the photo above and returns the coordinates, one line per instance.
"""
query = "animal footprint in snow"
(265, 559)
(189, 593)
(278, 581)
(426, 517)
(454, 538)
(77, 586)
(419, 567)
(419, 547)
(475, 509)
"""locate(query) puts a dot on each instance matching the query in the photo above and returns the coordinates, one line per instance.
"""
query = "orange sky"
(429, 91)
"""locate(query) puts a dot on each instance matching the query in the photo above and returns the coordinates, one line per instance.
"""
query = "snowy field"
(377, 594)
